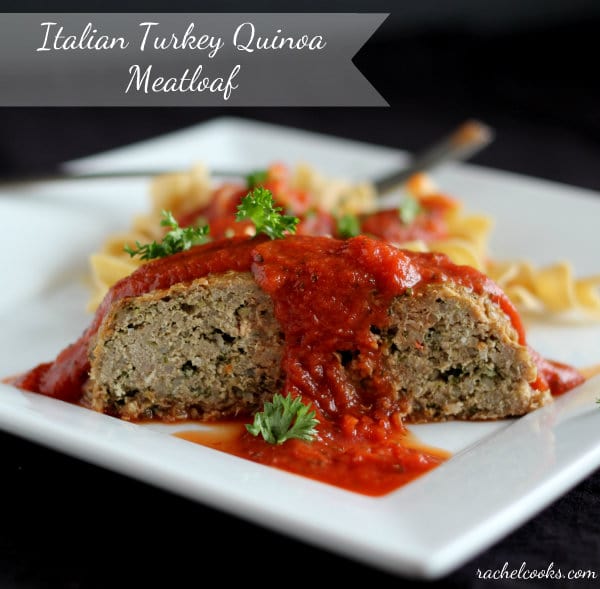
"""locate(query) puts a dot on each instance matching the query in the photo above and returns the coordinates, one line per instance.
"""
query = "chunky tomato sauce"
(331, 298)
(371, 465)
(430, 222)
(556, 376)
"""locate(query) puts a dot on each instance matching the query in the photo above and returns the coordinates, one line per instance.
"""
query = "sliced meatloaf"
(203, 350)
(212, 348)
(455, 355)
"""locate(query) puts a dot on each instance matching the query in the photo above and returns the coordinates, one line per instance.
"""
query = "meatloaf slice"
(213, 348)
(455, 355)
(203, 350)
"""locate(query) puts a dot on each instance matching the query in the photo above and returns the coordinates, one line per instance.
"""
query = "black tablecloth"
(66, 523)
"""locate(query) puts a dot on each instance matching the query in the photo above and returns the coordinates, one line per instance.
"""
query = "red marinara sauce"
(430, 223)
(372, 465)
(556, 376)
(331, 298)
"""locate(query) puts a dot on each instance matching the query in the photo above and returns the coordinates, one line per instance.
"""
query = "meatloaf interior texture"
(203, 350)
(212, 349)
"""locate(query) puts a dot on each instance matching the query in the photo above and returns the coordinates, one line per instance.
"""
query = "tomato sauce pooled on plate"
(373, 463)
(330, 298)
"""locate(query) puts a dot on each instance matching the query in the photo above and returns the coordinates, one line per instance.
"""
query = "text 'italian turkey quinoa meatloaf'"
(354, 326)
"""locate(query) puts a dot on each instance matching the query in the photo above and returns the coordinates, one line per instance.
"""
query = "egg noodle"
(551, 290)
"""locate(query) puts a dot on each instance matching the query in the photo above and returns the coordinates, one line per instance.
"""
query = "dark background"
(529, 69)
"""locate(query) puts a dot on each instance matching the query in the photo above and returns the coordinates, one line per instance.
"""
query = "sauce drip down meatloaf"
(355, 326)
(369, 334)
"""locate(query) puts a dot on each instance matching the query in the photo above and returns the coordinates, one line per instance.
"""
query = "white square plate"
(501, 473)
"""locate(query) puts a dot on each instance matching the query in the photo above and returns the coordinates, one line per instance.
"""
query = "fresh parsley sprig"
(256, 178)
(177, 240)
(283, 419)
(409, 209)
(348, 225)
(259, 207)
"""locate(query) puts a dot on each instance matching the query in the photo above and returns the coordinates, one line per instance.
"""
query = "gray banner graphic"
(161, 59)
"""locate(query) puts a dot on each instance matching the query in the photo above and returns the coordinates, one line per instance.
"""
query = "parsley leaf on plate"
(283, 419)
